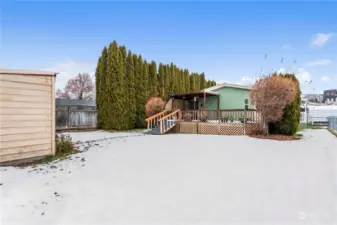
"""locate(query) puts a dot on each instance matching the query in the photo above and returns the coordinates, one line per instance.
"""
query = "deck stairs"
(162, 122)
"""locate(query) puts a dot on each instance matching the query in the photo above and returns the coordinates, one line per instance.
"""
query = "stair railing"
(153, 121)
(169, 121)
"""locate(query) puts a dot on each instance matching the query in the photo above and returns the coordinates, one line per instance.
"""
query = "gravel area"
(178, 179)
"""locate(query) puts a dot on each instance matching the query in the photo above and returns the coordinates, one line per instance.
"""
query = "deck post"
(204, 100)
(218, 108)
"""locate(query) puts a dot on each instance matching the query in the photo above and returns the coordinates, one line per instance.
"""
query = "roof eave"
(27, 72)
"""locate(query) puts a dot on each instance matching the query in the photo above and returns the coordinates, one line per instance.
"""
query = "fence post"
(244, 122)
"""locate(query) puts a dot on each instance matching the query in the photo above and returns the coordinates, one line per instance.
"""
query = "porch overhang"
(190, 95)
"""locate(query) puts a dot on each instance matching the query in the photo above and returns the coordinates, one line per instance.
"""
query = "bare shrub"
(154, 105)
(271, 94)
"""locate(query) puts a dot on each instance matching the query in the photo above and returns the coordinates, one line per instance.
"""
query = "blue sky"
(226, 40)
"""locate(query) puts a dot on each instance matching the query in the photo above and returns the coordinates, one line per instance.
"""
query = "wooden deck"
(222, 122)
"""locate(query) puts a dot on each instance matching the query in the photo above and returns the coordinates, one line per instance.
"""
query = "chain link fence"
(332, 123)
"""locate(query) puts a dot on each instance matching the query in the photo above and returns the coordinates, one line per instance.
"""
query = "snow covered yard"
(178, 179)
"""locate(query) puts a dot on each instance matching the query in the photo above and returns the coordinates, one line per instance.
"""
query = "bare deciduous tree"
(271, 94)
(80, 87)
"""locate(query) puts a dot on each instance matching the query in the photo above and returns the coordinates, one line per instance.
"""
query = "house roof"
(27, 72)
(216, 87)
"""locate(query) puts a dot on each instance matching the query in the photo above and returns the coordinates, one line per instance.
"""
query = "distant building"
(318, 98)
(330, 95)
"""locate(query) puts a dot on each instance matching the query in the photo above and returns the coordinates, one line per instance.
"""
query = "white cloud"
(319, 62)
(286, 47)
(303, 76)
(320, 39)
(325, 79)
(69, 69)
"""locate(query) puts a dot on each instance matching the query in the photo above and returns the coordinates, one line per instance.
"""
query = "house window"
(246, 104)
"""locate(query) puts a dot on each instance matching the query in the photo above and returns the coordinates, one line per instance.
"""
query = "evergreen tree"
(167, 81)
(192, 83)
(197, 82)
(153, 79)
(122, 50)
(177, 81)
(97, 80)
(187, 80)
(182, 81)
(162, 81)
(145, 78)
(202, 81)
(130, 77)
(102, 89)
(171, 77)
(140, 93)
(115, 84)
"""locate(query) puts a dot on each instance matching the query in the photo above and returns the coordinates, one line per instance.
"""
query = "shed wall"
(27, 112)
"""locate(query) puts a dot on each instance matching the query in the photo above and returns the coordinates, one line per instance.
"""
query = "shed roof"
(27, 72)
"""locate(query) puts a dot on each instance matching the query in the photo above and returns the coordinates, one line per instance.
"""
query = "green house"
(224, 96)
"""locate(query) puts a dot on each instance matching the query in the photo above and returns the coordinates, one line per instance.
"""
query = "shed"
(27, 114)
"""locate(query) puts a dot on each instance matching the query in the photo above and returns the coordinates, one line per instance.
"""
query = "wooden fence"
(75, 117)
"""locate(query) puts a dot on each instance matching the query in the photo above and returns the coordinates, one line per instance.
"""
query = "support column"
(218, 112)
(204, 100)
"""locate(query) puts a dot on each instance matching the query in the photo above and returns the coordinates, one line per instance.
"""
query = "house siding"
(211, 103)
(230, 98)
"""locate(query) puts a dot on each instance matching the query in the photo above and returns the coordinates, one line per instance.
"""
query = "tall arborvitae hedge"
(101, 86)
(131, 91)
(116, 113)
(292, 114)
(140, 87)
(153, 79)
(124, 83)
(97, 84)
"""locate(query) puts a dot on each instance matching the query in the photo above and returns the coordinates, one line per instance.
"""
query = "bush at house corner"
(291, 117)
